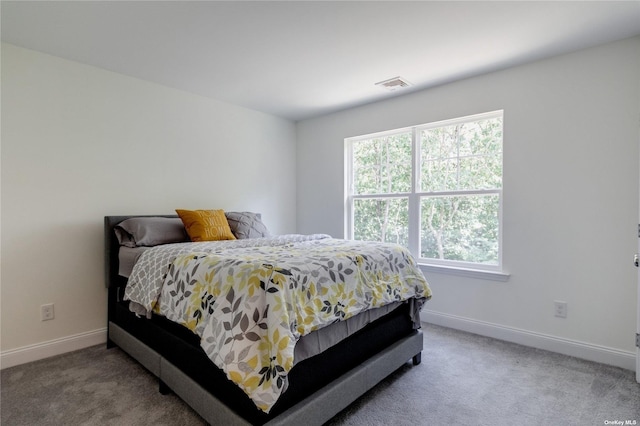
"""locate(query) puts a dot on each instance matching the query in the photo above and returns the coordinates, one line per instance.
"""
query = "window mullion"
(349, 190)
(461, 192)
(414, 199)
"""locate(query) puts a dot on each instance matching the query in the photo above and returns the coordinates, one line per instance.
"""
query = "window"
(435, 189)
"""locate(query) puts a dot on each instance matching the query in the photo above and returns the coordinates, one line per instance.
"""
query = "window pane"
(382, 165)
(462, 156)
(439, 175)
(382, 219)
(463, 228)
(480, 172)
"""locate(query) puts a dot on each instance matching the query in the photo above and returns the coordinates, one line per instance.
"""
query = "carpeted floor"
(464, 379)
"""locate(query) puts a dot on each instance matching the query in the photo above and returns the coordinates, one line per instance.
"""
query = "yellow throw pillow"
(206, 225)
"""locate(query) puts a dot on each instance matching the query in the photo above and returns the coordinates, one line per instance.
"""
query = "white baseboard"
(50, 348)
(588, 351)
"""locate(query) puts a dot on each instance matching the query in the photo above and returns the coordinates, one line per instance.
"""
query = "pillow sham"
(150, 231)
(247, 225)
(206, 225)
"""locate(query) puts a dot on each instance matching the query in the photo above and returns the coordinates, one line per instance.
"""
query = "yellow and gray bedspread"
(251, 300)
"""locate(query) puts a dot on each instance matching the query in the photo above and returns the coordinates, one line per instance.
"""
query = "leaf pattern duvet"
(250, 305)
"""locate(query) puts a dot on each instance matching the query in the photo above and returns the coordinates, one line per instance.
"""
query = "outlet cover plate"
(46, 312)
(560, 309)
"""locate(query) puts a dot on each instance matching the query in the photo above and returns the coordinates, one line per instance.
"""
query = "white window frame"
(477, 270)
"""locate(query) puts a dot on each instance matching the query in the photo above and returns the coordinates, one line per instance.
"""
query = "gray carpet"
(464, 379)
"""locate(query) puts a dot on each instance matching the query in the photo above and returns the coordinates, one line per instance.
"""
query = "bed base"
(316, 409)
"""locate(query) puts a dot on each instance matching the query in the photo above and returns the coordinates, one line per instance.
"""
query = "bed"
(328, 374)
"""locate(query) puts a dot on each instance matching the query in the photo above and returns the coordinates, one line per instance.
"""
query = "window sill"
(466, 272)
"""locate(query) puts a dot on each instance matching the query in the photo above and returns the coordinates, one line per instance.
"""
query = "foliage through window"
(434, 188)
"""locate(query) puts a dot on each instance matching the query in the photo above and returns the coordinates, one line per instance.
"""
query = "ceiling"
(301, 59)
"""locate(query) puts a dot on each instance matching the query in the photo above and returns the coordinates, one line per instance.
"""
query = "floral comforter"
(252, 300)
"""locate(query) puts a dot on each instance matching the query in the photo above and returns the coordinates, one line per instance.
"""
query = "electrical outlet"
(560, 309)
(46, 312)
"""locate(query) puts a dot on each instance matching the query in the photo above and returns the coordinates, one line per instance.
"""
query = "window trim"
(500, 275)
(469, 269)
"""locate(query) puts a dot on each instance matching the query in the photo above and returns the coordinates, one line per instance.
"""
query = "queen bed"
(230, 355)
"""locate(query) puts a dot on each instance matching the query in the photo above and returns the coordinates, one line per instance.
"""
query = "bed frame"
(315, 409)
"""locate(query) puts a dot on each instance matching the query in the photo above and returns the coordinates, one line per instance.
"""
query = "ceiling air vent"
(394, 83)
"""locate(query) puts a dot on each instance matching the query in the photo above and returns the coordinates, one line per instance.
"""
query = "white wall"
(79, 143)
(570, 196)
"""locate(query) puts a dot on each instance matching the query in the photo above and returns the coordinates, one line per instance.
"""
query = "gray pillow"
(150, 231)
(247, 225)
